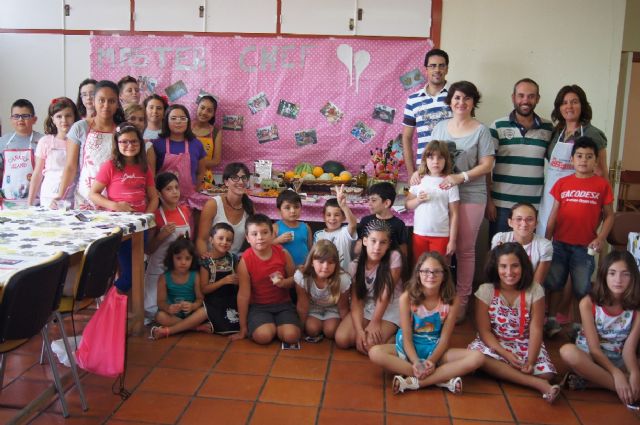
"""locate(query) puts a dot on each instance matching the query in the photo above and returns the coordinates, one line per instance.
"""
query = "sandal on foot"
(401, 384)
(454, 385)
(574, 382)
(158, 332)
(314, 339)
(551, 395)
(206, 327)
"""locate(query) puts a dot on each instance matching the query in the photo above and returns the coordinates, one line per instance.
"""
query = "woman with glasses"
(232, 207)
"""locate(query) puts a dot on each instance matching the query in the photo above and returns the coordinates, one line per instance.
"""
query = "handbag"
(102, 349)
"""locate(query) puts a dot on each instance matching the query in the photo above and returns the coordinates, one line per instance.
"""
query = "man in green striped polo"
(521, 140)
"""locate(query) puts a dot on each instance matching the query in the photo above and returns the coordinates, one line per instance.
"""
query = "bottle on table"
(361, 178)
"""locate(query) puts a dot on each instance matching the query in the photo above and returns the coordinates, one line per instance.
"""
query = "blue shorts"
(570, 260)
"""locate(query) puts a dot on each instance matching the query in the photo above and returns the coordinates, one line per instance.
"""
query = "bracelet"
(465, 176)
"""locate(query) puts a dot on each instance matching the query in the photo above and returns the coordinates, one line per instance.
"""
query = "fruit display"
(333, 167)
(331, 173)
(303, 167)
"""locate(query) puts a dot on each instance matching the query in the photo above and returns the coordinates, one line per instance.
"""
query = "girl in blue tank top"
(428, 309)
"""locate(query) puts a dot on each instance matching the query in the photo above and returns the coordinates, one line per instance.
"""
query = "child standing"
(265, 275)
(134, 114)
(428, 310)
(582, 200)
(509, 317)
(172, 222)
(86, 93)
(604, 354)
(377, 285)
(16, 151)
(206, 132)
(179, 295)
(335, 211)
(435, 221)
(51, 152)
(129, 185)
(322, 288)
(154, 107)
(220, 281)
(292, 234)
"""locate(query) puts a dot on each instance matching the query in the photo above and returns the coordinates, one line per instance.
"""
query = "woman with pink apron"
(18, 168)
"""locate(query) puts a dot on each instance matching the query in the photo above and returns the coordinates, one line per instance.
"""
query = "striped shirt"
(424, 112)
(518, 175)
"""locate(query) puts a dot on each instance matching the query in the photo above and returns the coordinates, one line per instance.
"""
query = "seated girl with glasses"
(232, 207)
(523, 221)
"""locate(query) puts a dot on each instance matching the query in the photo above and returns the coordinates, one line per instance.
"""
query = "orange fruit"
(345, 176)
(317, 171)
(289, 175)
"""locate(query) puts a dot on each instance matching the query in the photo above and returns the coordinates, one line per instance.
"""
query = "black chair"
(29, 298)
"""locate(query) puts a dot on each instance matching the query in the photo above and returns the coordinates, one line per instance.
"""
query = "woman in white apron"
(572, 116)
(89, 144)
(51, 151)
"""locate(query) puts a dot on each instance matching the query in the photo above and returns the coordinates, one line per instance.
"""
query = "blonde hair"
(439, 147)
(323, 250)
(414, 286)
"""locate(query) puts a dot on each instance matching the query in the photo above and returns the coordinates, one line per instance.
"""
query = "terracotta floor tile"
(343, 395)
(531, 409)
(173, 381)
(246, 363)
(134, 375)
(17, 364)
(21, 391)
(349, 355)
(593, 413)
(519, 390)
(228, 412)
(480, 383)
(56, 418)
(227, 385)
(201, 341)
(145, 354)
(474, 422)
(477, 406)
(393, 419)
(248, 346)
(355, 372)
(299, 368)
(118, 422)
(461, 340)
(33, 346)
(152, 407)
(292, 391)
(188, 358)
(6, 414)
(603, 396)
(427, 402)
(101, 402)
(279, 414)
(349, 417)
(320, 350)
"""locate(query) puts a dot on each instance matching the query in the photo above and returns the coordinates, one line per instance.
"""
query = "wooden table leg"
(137, 283)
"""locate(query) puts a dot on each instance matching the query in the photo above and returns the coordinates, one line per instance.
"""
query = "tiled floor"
(203, 379)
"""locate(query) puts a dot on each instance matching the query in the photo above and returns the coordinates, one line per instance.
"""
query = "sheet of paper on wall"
(262, 169)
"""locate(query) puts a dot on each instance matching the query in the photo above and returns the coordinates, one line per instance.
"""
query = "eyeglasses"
(528, 220)
(18, 117)
(129, 142)
(429, 272)
(88, 95)
(236, 178)
(178, 119)
(433, 66)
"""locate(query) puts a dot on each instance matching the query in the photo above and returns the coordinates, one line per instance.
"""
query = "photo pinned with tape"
(412, 79)
(147, 85)
(202, 93)
(176, 90)
(331, 112)
(288, 109)
(306, 137)
(267, 134)
(258, 103)
(384, 113)
(363, 132)
(233, 122)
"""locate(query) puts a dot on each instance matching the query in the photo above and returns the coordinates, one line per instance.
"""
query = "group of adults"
(499, 166)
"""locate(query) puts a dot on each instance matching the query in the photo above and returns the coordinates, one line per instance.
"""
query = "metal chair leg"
(72, 360)
(45, 329)
(3, 363)
(54, 371)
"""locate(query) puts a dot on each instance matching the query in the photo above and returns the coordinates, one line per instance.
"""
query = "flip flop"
(551, 395)
(158, 332)
(454, 385)
(401, 384)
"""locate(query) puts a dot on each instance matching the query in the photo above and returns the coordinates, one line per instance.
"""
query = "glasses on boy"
(18, 117)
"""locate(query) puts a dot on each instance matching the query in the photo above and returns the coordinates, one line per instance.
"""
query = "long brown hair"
(414, 286)
(601, 294)
(383, 279)
(118, 158)
(323, 250)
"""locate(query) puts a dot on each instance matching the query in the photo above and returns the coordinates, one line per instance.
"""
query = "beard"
(522, 113)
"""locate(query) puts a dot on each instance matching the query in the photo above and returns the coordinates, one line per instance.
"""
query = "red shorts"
(422, 244)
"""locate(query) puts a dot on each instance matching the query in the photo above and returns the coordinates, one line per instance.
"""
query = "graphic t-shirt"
(129, 185)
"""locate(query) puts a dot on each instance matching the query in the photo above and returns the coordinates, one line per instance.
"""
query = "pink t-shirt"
(46, 145)
(129, 185)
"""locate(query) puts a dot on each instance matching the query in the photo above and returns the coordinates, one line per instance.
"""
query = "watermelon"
(333, 167)
(303, 167)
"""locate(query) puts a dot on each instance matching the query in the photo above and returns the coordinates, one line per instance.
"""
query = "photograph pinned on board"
(332, 113)
(384, 113)
(258, 103)
(267, 134)
(233, 122)
(363, 132)
(203, 93)
(306, 137)
(412, 78)
(147, 85)
(176, 90)
(288, 109)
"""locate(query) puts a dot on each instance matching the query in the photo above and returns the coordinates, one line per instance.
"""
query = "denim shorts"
(570, 260)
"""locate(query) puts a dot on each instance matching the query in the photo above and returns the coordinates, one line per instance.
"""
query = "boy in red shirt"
(265, 274)
(581, 200)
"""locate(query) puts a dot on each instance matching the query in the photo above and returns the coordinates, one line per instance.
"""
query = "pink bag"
(102, 349)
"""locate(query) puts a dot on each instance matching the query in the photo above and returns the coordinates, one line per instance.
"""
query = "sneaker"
(574, 382)
(552, 328)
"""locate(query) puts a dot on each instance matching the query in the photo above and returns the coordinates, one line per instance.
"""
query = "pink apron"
(98, 148)
(180, 165)
(18, 168)
(54, 165)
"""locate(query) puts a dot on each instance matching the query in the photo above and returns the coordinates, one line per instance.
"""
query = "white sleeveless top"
(238, 229)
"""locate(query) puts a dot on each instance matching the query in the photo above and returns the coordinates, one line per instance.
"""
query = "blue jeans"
(501, 224)
(124, 280)
(570, 260)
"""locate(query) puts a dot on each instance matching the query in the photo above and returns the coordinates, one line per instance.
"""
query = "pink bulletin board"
(274, 93)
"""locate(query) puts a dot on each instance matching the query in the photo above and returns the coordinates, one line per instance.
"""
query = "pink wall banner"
(284, 99)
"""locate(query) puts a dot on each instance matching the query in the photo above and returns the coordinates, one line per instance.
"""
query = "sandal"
(401, 384)
(158, 332)
(574, 382)
(206, 327)
(551, 395)
(454, 385)
(314, 339)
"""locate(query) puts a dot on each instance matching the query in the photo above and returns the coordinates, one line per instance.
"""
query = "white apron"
(559, 166)
(53, 168)
(96, 150)
(155, 266)
(18, 168)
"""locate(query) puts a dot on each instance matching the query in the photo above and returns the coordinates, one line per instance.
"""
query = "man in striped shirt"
(424, 109)
(521, 140)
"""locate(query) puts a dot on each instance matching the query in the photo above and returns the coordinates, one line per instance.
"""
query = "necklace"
(235, 208)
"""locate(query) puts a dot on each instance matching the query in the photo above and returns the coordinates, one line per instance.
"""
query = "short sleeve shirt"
(398, 228)
(126, 185)
(531, 295)
(196, 153)
(321, 296)
(538, 250)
